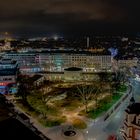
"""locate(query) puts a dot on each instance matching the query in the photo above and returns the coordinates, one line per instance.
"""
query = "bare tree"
(86, 93)
(45, 97)
(96, 96)
(23, 91)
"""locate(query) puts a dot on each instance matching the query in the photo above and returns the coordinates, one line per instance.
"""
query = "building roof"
(83, 52)
(73, 69)
(5, 61)
(75, 52)
(133, 108)
(23, 116)
(14, 129)
(8, 72)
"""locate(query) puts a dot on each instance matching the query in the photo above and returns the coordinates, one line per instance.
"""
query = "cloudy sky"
(69, 17)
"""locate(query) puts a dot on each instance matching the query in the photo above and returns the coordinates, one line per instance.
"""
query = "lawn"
(106, 103)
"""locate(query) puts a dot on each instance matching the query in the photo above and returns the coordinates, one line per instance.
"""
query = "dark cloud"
(68, 16)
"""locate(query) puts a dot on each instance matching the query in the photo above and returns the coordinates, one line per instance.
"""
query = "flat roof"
(133, 109)
(73, 69)
(23, 116)
(8, 72)
(15, 130)
(5, 61)
(60, 52)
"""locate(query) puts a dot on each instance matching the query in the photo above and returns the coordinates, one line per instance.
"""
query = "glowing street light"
(55, 37)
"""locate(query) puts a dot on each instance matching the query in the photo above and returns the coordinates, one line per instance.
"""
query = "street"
(101, 130)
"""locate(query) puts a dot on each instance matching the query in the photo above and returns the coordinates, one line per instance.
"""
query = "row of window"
(7, 79)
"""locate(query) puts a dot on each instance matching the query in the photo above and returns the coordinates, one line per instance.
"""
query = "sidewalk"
(32, 124)
(53, 133)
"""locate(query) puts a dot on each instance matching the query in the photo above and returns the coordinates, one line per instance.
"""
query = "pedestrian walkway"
(53, 133)
(57, 133)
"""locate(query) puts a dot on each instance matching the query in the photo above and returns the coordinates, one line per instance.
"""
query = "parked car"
(112, 137)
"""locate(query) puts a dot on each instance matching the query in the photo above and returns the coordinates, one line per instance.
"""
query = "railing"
(115, 106)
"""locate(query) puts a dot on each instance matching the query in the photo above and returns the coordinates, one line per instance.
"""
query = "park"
(70, 102)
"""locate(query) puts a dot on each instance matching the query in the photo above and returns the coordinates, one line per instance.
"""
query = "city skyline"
(70, 70)
(69, 18)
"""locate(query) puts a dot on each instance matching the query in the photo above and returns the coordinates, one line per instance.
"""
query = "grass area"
(69, 101)
(26, 109)
(45, 121)
(104, 105)
(70, 105)
(122, 88)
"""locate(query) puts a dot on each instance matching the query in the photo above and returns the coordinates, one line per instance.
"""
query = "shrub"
(122, 88)
(51, 122)
(78, 123)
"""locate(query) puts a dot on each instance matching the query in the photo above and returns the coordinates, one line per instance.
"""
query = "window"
(138, 121)
(126, 117)
(137, 134)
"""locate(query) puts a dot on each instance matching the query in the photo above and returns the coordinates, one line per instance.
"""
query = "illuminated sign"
(6, 88)
(5, 83)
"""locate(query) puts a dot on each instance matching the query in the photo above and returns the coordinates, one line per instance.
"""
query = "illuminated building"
(73, 73)
(57, 61)
(7, 43)
(128, 62)
(131, 127)
(23, 58)
(26, 60)
(8, 76)
(8, 64)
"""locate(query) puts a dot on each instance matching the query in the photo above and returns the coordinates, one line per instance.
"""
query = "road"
(101, 130)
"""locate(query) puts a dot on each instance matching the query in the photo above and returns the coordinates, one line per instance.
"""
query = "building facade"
(57, 61)
(8, 76)
(131, 125)
(128, 62)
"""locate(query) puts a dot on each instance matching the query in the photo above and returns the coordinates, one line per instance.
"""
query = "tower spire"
(87, 42)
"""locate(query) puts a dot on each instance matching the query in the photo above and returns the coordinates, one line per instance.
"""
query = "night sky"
(69, 17)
